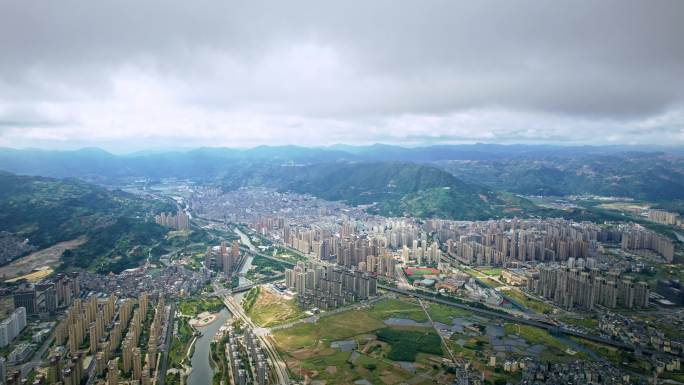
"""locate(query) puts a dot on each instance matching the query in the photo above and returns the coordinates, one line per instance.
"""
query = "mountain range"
(210, 162)
(452, 181)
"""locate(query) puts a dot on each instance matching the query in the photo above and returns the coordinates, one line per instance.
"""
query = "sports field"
(420, 271)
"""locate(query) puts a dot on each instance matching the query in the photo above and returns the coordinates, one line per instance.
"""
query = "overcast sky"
(128, 75)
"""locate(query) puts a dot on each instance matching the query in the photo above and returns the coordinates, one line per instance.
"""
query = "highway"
(243, 288)
(276, 363)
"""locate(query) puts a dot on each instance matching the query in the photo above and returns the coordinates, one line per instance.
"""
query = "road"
(91, 372)
(276, 362)
(36, 360)
(248, 287)
(161, 371)
(441, 336)
(401, 280)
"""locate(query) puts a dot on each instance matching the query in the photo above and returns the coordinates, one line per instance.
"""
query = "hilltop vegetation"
(46, 211)
(210, 163)
(458, 182)
(121, 245)
(389, 188)
(645, 176)
(366, 183)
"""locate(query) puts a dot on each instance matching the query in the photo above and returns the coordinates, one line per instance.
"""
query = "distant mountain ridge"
(211, 162)
(392, 188)
(652, 177)
(653, 174)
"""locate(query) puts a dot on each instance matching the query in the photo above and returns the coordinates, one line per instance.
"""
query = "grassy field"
(339, 368)
(327, 329)
(482, 275)
(445, 314)
(490, 282)
(610, 353)
(530, 303)
(287, 254)
(192, 307)
(270, 309)
(264, 266)
(495, 272)
(531, 334)
(589, 323)
(674, 376)
(626, 360)
(179, 346)
(660, 272)
(6, 306)
(389, 308)
(250, 298)
(307, 351)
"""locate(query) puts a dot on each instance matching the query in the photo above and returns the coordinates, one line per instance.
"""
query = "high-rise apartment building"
(12, 326)
(180, 221)
(571, 287)
(327, 286)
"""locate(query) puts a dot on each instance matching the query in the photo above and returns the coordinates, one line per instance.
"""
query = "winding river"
(202, 373)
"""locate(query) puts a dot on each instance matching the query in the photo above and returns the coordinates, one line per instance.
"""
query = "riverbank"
(202, 373)
(203, 319)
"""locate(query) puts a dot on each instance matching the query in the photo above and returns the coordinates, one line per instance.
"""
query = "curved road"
(278, 365)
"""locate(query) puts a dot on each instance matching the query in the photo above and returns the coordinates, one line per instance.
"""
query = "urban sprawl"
(595, 285)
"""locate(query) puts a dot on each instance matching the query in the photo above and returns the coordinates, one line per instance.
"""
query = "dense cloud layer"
(179, 73)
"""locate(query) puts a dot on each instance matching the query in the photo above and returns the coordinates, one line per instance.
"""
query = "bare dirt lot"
(46, 257)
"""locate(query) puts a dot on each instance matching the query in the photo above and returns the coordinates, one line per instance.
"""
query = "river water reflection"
(202, 372)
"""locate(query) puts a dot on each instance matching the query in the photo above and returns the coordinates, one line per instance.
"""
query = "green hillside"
(645, 176)
(46, 211)
(389, 188)
(365, 183)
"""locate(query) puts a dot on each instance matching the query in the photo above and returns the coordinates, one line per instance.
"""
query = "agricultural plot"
(389, 342)
(267, 309)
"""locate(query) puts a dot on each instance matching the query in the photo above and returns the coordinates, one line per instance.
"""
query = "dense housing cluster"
(248, 363)
(179, 221)
(569, 287)
(327, 286)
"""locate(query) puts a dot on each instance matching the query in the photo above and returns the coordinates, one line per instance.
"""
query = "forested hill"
(46, 211)
(645, 176)
(391, 188)
(400, 180)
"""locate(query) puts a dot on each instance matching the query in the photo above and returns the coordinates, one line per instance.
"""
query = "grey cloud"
(26, 117)
(620, 60)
